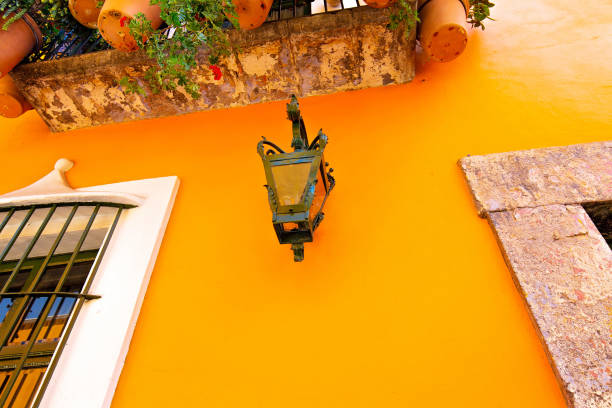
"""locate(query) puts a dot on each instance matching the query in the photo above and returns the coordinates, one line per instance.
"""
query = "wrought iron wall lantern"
(298, 183)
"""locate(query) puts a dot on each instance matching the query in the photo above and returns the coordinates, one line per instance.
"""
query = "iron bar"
(48, 293)
(94, 45)
(75, 310)
(92, 217)
(9, 245)
(45, 312)
(17, 309)
(314, 142)
(66, 47)
(54, 246)
(278, 149)
(55, 314)
(27, 251)
(7, 219)
(62, 36)
(83, 43)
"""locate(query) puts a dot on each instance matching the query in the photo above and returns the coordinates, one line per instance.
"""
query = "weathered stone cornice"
(530, 178)
(321, 54)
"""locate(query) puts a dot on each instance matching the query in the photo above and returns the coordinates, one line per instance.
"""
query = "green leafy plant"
(404, 15)
(19, 7)
(407, 16)
(480, 10)
(191, 25)
(51, 16)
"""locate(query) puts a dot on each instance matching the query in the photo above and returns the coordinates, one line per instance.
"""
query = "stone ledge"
(562, 266)
(559, 261)
(531, 178)
(321, 54)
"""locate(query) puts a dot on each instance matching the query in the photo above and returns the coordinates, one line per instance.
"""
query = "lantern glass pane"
(319, 196)
(290, 180)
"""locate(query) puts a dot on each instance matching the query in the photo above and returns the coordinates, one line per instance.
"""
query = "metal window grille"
(48, 257)
(68, 43)
(287, 9)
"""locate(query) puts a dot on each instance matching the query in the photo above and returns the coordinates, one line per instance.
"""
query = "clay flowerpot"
(115, 16)
(17, 42)
(252, 13)
(443, 33)
(379, 3)
(12, 103)
(85, 12)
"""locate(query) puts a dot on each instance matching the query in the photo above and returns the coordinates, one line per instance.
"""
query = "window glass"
(46, 256)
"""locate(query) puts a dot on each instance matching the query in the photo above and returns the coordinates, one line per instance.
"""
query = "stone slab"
(530, 178)
(321, 54)
(563, 267)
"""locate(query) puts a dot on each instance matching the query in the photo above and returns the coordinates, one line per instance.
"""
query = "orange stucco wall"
(404, 299)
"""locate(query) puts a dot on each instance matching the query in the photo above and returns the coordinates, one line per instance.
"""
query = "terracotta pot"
(85, 12)
(379, 3)
(12, 103)
(115, 16)
(17, 42)
(443, 33)
(252, 13)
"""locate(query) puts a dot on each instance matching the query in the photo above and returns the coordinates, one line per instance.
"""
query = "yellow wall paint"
(404, 299)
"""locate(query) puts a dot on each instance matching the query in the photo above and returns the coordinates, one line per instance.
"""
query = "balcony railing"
(83, 40)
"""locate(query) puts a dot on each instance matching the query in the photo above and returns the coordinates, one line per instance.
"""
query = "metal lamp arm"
(300, 138)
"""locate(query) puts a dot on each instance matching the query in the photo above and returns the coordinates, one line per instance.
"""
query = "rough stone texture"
(563, 268)
(321, 54)
(530, 178)
(559, 260)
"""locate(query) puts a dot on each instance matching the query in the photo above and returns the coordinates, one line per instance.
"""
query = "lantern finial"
(298, 252)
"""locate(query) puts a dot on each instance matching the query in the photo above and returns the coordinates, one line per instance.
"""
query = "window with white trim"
(74, 267)
(47, 262)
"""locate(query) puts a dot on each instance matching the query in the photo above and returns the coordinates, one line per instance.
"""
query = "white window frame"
(88, 368)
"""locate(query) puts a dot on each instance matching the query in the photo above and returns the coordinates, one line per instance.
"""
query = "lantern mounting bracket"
(300, 138)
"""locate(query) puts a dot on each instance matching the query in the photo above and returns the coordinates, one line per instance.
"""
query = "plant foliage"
(50, 15)
(19, 7)
(191, 24)
(480, 10)
(405, 15)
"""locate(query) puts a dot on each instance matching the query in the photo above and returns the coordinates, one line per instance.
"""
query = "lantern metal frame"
(297, 214)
